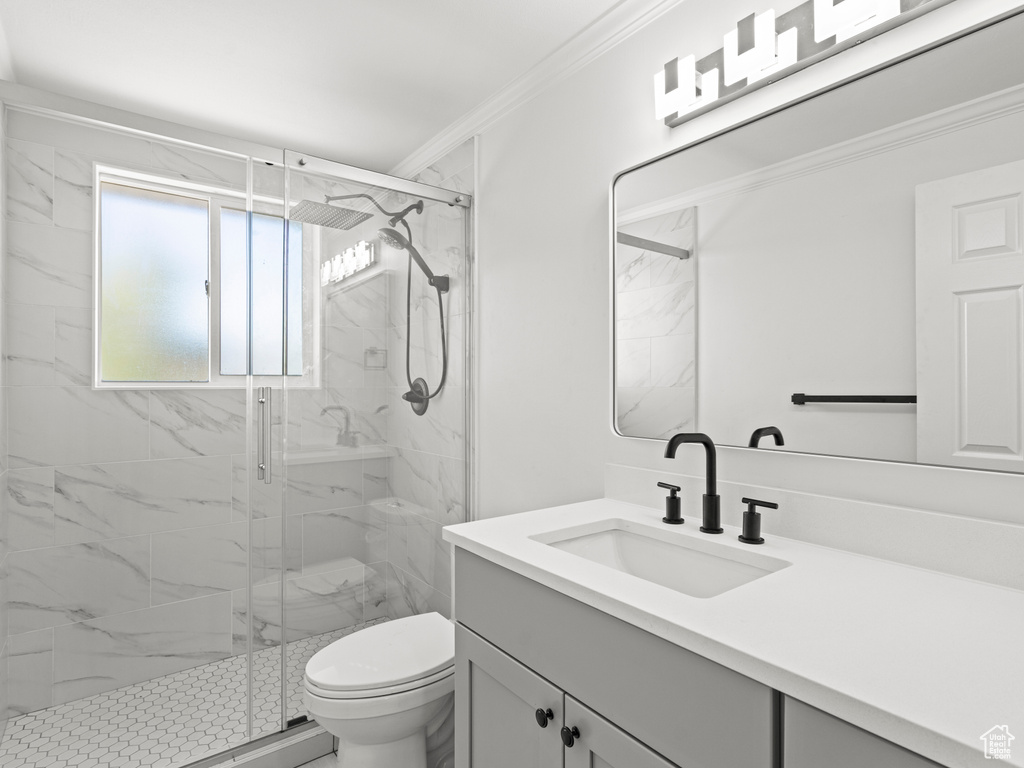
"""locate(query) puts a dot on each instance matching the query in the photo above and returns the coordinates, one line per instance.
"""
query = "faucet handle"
(752, 520)
(752, 503)
(672, 514)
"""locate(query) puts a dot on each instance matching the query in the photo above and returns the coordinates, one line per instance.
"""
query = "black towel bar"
(799, 398)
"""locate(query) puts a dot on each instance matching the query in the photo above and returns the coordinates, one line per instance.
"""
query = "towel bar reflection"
(799, 398)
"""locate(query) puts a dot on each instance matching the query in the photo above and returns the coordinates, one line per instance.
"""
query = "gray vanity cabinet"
(813, 738)
(496, 701)
(500, 705)
(522, 646)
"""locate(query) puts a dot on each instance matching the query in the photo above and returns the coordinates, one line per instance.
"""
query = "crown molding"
(601, 36)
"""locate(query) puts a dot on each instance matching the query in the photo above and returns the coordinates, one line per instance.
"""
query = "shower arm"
(396, 217)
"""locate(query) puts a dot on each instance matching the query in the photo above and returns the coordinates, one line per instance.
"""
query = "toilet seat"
(385, 659)
(369, 693)
(323, 708)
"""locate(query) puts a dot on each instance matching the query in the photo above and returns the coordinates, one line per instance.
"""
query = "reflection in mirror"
(866, 243)
(654, 324)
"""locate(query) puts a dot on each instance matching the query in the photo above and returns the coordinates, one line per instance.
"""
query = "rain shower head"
(325, 215)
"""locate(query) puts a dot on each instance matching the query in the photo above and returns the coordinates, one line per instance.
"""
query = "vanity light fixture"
(752, 50)
(352, 260)
(679, 88)
(850, 17)
(755, 50)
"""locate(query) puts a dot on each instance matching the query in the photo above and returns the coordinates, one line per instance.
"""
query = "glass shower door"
(371, 475)
(270, 282)
(335, 457)
(262, 342)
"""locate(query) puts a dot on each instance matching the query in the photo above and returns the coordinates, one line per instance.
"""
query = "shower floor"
(167, 721)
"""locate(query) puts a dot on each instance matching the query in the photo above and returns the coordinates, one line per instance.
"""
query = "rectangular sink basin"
(687, 564)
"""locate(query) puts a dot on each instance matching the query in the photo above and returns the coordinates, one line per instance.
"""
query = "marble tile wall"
(4, 527)
(655, 329)
(124, 545)
(336, 467)
(427, 474)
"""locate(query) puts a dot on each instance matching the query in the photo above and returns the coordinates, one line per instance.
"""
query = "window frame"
(217, 199)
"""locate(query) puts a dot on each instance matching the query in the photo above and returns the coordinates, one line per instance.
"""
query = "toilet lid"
(385, 654)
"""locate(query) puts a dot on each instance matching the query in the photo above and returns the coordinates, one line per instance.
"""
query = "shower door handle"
(263, 430)
(266, 437)
(261, 465)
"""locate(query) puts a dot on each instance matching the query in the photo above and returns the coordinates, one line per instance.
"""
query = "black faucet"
(765, 432)
(712, 502)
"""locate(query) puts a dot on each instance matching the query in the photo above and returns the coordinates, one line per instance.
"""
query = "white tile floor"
(168, 721)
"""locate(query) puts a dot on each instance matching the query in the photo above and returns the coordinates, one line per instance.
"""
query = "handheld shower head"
(396, 239)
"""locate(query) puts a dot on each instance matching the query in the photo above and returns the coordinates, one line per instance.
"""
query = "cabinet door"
(601, 745)
(814, 738)
(496, 703)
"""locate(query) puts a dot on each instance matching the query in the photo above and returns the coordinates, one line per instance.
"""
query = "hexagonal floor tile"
(168, 721)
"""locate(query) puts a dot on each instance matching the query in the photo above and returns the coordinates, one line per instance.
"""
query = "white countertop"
(926, 660)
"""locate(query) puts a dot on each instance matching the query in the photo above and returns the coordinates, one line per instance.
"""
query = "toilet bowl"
(381, 689)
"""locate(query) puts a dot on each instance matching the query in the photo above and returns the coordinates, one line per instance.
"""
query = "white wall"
(545, 170)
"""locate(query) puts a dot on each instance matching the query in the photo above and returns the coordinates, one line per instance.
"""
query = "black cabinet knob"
(569, 735)
(543, 715)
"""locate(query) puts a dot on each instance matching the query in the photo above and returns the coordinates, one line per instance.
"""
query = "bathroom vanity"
(827, 659)
(535, 648)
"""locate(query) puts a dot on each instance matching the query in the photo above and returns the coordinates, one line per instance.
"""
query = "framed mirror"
(849, 270)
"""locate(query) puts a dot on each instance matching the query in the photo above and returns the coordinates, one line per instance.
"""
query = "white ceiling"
(365, 82)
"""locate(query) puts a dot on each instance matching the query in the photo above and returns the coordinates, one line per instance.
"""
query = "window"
(267, 274)
(175, 265)
(155, 258)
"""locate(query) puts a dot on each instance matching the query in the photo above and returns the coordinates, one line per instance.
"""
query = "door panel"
(602, 745)
(261, 609)
(814, 739)
(970, 319)
(496, 701)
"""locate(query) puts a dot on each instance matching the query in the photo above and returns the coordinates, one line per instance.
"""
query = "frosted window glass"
(234, 294)
(154, 311)
(294, 251)
(268, 297)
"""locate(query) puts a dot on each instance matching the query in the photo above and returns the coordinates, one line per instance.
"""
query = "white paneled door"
(970, 319)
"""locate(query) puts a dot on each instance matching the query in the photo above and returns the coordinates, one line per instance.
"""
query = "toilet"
(381, 689)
